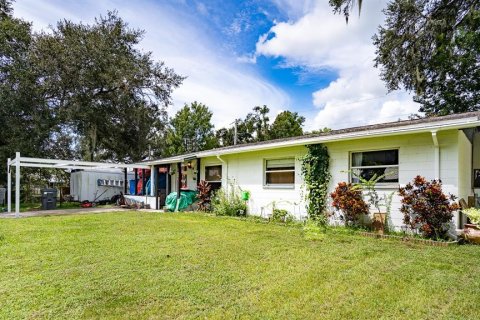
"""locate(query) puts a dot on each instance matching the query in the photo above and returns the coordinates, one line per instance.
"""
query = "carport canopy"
(19, 162)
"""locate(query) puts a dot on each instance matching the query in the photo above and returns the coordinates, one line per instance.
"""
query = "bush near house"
(204, 196)
(349, 200)
(228, 203)
(426, 208)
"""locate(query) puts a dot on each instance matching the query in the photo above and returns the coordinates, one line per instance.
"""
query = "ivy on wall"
(316, 176)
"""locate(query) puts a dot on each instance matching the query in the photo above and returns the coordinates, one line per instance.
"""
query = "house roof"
(431, 124)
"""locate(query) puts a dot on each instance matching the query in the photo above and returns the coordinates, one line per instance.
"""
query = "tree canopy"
(80, 90)
(287, 124)
(190, 130)
(431, 48)
(26, 123)
(256, 127)
(100, 85)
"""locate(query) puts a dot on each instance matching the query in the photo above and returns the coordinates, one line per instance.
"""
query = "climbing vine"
(316, 176)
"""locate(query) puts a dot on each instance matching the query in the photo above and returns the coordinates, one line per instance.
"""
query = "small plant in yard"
(229, 203)
(349, 200)
(472, 231)
(473, 214)
(281, 215)
(204, 195)
(426, 208)
(376, 201)
(373, 198)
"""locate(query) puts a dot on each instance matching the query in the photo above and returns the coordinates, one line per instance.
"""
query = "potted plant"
(375, 201)
(472, 230)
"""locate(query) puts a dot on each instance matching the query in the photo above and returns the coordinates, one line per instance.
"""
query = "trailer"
(97, 184)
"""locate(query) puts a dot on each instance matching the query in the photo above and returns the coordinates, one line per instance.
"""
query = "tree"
(287, 124)
(26, 125)
(245, 132)
(431, 48)
(255, 127)
(260, 120)
(101, 87)
(345, 6)
(191, 130)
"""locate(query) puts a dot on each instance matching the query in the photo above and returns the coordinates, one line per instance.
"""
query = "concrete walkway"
(61, 212)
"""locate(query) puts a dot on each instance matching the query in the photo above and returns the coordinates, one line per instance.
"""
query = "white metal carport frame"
(19, 162)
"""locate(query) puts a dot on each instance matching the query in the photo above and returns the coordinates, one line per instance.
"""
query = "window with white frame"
(369, 163)
(280, 172)
(213, 175)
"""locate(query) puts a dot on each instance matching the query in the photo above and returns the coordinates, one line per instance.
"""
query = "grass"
(132, 265)
(36, 206)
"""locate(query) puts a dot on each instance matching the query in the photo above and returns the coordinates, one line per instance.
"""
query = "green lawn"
(35, 206)
(132, 265)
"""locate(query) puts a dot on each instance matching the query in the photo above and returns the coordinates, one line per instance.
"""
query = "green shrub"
(281, 215)
(228, 203)
(473, 214)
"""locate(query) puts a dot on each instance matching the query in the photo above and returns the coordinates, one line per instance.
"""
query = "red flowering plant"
(348, 199)
(426, 208)
(204, 196)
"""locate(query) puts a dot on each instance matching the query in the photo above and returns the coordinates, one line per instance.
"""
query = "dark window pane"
(280, 168)
(213, 173)
(375, 158)
(280, 177)
(391, 174)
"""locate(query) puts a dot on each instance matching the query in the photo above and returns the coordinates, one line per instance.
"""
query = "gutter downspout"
(436, 155)
(226, 173)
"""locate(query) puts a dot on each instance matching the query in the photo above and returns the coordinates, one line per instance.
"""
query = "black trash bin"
(49, 199)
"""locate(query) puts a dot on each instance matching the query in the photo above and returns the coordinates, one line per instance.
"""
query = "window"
(213, 175)
(280, 172)
(367, 164)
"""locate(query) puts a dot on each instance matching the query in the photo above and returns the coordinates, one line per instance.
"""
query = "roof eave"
(436, 126)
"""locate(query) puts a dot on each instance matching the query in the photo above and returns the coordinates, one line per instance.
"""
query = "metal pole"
(153, 180)
(143, 183)
(198, 171)
(136, 182)
(179, 184)
(125, 181)
(179, 179)
(154, 186)
(9, 187)
(17, 185)
(235, 133)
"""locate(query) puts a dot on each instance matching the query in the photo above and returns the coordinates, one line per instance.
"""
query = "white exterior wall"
(416, 157)
(246, 170)
(464, 166)
(145, 199)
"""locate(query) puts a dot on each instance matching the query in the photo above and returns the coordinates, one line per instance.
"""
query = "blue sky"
(287, 54)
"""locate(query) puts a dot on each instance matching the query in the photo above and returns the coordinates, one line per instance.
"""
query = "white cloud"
(318, 40)
(230, 89)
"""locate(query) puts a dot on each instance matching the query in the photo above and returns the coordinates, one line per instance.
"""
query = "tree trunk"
(93, 142)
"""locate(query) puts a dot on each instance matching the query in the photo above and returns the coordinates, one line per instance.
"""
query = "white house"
(446, 148)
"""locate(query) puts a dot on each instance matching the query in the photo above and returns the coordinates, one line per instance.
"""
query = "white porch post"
(17, 185)
(153, 180)
(436, 155)
(9, 187)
